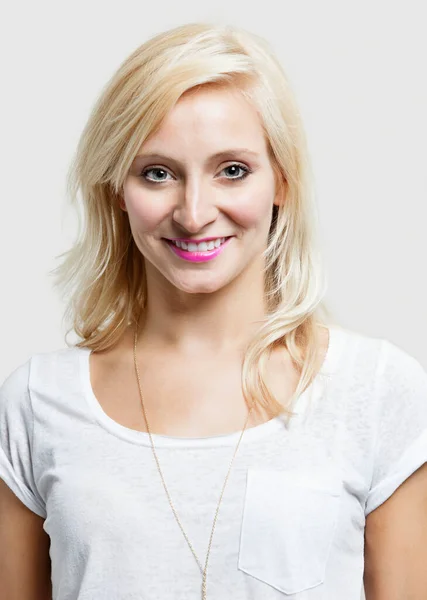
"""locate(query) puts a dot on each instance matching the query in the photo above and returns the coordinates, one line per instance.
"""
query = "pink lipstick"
(197, 255)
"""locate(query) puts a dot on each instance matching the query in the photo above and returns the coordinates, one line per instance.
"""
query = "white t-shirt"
(291, 522)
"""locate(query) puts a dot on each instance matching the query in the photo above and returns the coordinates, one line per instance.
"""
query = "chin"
(199, 289)
(208, 286)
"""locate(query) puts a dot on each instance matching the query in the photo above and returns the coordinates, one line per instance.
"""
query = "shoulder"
(14, 397)
(17, 380)
(401, 386)
(385, 350)
(353, 356)
(385, 364)
(37, 371)
(386, 391)
(398, 364)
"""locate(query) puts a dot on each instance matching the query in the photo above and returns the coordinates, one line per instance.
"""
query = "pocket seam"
(250, 550)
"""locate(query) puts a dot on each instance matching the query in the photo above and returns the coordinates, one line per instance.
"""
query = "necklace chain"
(203, 570)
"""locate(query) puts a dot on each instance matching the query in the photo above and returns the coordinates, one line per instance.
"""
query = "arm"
(396, 543)
(24, 551)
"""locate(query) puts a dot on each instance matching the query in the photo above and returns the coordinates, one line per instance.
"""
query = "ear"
(280, 194)
(280, 189)
(122, 203)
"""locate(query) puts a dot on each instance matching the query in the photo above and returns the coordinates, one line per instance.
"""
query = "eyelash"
(246, 172)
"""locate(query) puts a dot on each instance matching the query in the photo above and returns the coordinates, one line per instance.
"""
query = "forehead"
(210, 117)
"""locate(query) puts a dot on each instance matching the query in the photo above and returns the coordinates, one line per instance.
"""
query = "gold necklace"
(204, 571)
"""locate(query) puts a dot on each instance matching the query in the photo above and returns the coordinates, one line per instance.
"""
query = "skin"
(396, 543)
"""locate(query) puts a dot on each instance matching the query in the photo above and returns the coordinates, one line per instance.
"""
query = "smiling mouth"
(203, 246)
(197, 252)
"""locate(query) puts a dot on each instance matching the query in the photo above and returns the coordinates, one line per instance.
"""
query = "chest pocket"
(289, 519)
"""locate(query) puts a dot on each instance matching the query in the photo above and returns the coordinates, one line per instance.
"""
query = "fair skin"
(396, 543)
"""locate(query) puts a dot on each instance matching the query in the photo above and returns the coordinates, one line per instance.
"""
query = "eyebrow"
(232, 152)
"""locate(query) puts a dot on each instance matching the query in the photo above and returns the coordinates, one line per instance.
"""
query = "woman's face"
(200, 193)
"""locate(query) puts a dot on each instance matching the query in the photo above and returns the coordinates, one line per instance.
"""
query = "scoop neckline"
(251, 434)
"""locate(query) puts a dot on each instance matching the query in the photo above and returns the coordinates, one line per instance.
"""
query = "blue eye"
(159, 172)
(234, 168)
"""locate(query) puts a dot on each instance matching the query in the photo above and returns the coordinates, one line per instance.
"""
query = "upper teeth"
(201, 247)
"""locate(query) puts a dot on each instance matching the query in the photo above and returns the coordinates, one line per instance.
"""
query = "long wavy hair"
(102, 276)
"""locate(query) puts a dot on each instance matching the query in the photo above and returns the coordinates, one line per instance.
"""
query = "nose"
(195, 207)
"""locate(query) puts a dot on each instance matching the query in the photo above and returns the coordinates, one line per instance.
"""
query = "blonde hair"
(102, 276)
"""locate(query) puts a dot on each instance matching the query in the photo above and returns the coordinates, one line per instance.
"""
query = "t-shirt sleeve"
(400, 422)
(16, 439)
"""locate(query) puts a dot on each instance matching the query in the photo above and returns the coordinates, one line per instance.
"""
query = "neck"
(211, 322)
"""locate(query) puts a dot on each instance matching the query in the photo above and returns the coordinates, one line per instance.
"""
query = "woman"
(210, 436)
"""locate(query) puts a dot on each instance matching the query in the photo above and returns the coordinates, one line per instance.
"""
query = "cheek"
(145, 211)
(252, 208)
